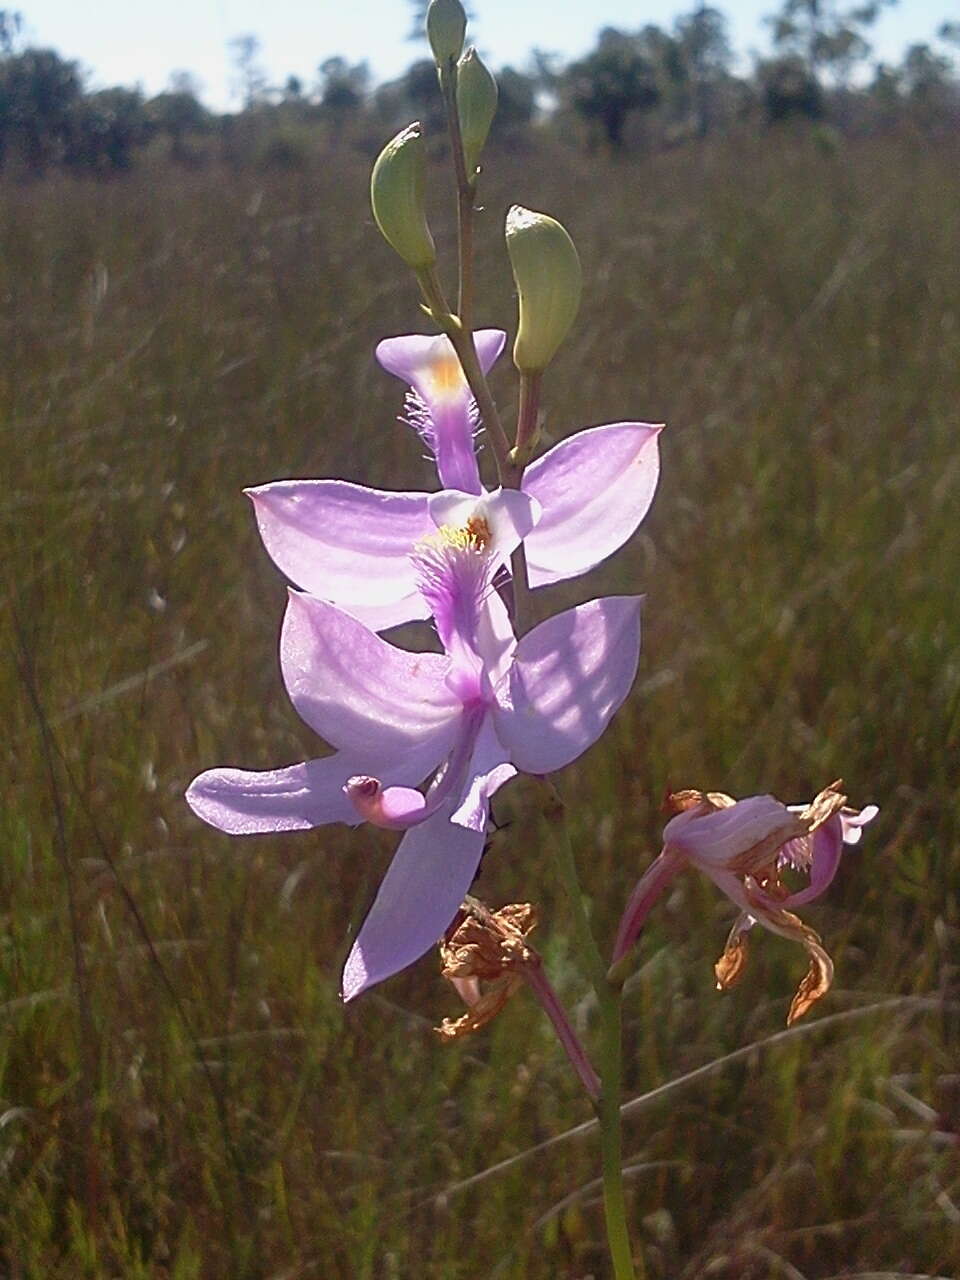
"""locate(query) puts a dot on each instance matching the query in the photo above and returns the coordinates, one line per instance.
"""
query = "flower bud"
(476, 106)
(396, 194)
(546, 271)
(446, 27)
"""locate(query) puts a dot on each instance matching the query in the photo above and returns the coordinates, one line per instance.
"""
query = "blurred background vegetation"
(635, 90)
(181, 1092)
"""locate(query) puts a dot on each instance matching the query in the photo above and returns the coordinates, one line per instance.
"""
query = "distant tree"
(516, 104)
(106, 129)
(927, 82)
(11, 25)
(421, 95)
(176, 115)
(827, 37)
(703, 43)
(39, 93)
(789, 89)
(616, 79)
(343, 88)
(250, 81)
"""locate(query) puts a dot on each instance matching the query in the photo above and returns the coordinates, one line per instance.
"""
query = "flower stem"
(465, 196)
(527, 418)
(608, 1003)
(538, 983)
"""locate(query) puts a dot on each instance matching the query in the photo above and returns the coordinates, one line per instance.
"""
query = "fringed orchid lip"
(742, 845)
(440, 406)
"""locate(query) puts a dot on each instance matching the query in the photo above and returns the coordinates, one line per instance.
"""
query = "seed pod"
(476, 105)
(446, 27)
(396, 194)
(546, 271)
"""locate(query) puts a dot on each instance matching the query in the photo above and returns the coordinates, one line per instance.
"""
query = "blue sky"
(128, 42)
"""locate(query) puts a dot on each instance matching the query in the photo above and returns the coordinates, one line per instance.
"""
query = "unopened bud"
(446, 27)
(476, 105)
(396, 194)
(546, 271)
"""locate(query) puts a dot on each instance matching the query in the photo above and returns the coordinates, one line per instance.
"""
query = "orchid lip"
(399, 808)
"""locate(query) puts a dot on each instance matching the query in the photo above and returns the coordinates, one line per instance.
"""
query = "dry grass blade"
(645, 1101)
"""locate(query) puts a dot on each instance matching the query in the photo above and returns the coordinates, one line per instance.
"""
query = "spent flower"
(744, 846)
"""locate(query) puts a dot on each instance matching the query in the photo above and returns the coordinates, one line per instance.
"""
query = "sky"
(131, 42)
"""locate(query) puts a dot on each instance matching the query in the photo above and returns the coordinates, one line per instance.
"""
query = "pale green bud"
(546, 271)
(396, 194)
(446, 27)
(476, 105)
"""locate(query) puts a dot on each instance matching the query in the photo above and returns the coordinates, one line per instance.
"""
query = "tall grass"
(182, 1094)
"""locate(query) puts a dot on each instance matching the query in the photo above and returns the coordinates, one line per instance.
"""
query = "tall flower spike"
(743, 846)
(351, 545)
(422, 741)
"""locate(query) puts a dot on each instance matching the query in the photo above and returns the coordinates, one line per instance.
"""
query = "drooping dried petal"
(484, 1010)
(819, 977)
(729, 968)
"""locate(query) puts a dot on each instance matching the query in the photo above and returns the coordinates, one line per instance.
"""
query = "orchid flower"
(351, 545)
(465, 721)
(743, 846)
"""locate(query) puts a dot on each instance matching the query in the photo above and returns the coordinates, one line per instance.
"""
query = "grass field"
(182, 1093)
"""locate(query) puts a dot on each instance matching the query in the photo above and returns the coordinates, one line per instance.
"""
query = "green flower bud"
(396, 194)
(476, 105)
(546, 271)
(446, 27)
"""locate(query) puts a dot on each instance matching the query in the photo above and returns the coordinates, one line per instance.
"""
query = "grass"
(182, 1094)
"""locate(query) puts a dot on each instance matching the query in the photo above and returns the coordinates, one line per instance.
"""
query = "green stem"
(527, 417)
(608, 1003)
(466, 192)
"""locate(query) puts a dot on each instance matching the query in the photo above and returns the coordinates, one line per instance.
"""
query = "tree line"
(654, 86)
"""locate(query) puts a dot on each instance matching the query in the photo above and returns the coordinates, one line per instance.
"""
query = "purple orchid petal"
(346, 543)
(442, 407)
(421, 893)
(569, 676)
(294, 799)
(712, 839)
(594, 488)
(429, 364)
(361, 694)
(657, 877)
(243, 802)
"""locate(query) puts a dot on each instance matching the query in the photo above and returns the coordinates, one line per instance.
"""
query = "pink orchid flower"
(465, 721)
(350, 544)
(743, 846)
